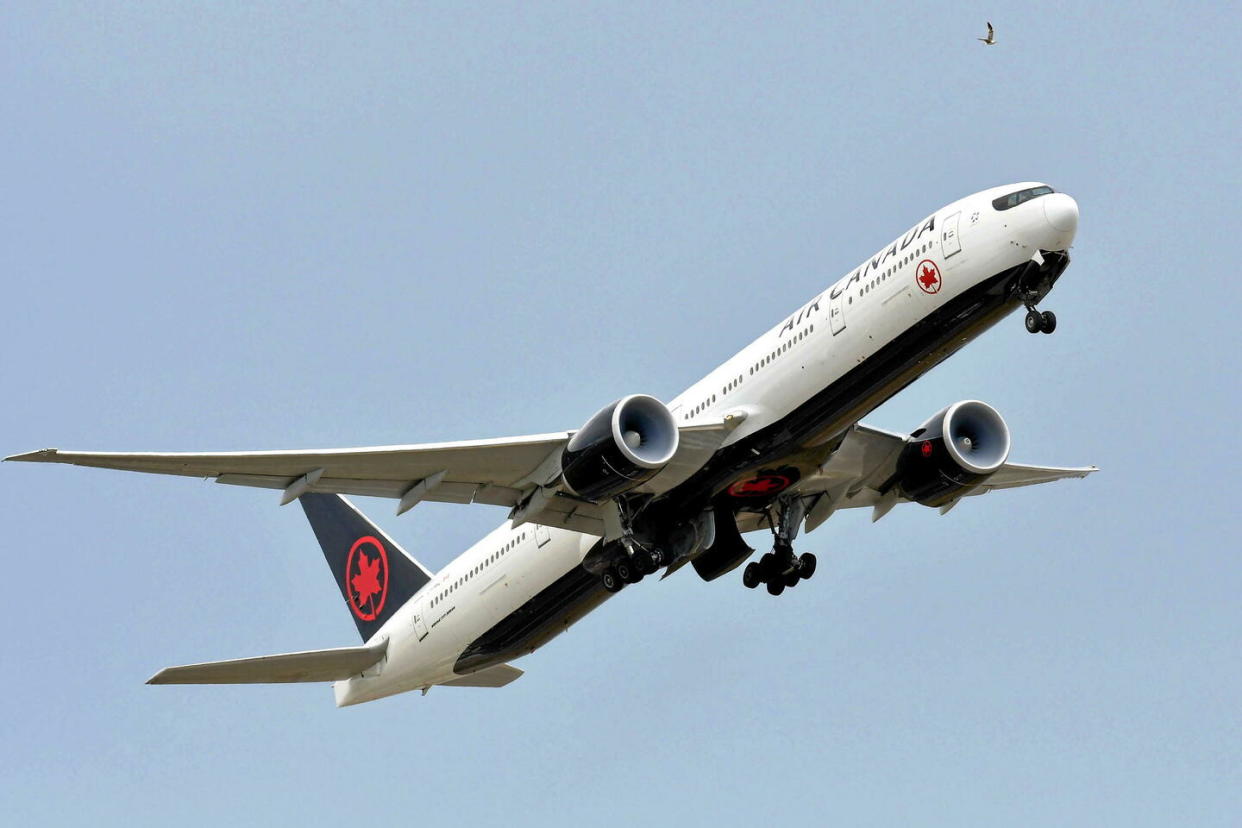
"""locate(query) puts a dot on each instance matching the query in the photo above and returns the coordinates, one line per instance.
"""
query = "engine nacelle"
(622, 446)
(952, 452)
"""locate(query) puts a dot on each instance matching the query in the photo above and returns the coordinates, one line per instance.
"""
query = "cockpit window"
(1014, 199)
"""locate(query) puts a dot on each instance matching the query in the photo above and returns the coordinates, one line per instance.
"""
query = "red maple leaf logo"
(366, 582)
(929, 277)
(765, 484)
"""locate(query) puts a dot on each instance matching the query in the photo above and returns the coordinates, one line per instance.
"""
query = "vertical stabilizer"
(375, 575)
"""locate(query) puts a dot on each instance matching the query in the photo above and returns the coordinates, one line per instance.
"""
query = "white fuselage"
(956, 248)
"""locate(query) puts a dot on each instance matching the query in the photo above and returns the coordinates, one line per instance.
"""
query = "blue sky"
(230, 227)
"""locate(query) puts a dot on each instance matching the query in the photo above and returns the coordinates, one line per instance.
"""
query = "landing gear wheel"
(767, 565)
(657, 559)
(775, 587)
(1048, 321)
(752, 575)
(644, 562)
(625, 571)
(806, 566)
(611, 581)
(1034, 321)
(792, 578)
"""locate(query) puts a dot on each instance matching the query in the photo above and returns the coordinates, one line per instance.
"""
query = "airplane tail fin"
(375, 575)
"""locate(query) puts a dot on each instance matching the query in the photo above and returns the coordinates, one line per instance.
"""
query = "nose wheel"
(1037, 322)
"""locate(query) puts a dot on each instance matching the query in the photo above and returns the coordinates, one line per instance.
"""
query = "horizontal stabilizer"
(312, 665)
(497, 676)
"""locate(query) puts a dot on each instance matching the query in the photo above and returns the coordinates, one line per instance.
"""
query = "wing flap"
(449, 491)
(308, 666)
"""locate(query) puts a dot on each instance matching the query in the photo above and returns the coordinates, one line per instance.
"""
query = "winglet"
(47, 455)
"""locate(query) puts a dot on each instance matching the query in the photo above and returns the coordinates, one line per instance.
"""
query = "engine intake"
(952, 452)
(622, 446)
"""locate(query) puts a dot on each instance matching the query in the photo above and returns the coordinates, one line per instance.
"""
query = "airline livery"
(770, 440)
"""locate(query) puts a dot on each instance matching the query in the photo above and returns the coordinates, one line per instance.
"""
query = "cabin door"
(420, 619)
(836, 312)
(950, 243)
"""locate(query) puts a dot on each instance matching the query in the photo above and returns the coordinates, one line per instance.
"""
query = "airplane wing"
(499, 472)
(856, 474)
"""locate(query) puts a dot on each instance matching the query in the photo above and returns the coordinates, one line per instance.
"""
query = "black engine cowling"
(622, 446)
(952, 452)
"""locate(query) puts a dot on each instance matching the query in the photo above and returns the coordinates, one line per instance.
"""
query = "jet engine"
(952, 452)
(622, 446)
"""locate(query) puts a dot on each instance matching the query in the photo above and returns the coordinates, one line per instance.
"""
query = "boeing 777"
(770, 440)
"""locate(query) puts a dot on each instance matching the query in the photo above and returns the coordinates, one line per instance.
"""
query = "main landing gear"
(781, 568)
(633, 561)
(631, 567)
(778, 569)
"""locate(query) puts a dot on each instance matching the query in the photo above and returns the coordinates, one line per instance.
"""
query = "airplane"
(769, 440)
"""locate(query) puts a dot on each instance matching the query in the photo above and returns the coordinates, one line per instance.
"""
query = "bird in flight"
(990, 40)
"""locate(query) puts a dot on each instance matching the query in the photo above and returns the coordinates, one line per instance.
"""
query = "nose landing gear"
(1033, 284)
(781, 568)
(1037, 322)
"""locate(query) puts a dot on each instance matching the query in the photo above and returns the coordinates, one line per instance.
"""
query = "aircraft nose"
(1061, 212)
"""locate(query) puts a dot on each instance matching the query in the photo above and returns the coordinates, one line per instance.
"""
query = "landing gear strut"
(1033, 284)
(781, 568)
